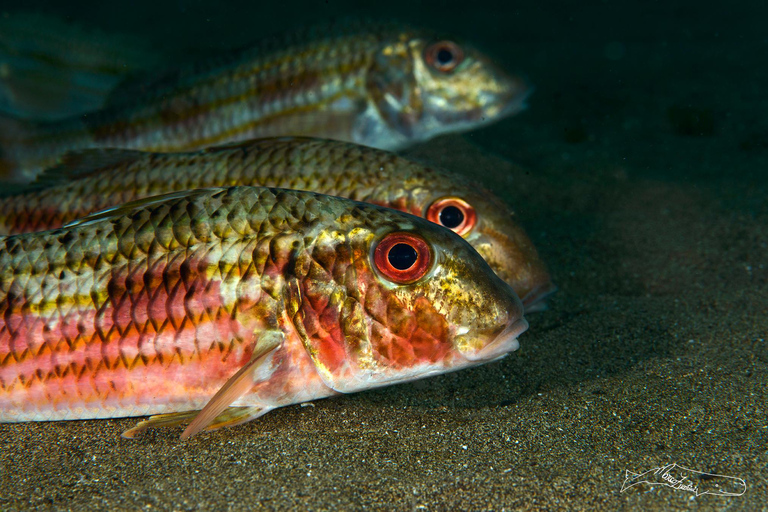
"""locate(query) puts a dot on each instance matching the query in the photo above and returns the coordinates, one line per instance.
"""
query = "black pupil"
(402, 256)
(451, 217)
(444, 56)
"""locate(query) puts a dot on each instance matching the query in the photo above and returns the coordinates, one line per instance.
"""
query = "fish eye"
(451, 217)
(453, 213)
(402, 257)
(444, 56)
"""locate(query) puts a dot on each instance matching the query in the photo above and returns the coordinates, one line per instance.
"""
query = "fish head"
(400, 299)
(482, 219)
(422, 87)
(491, 227)
(461, 88)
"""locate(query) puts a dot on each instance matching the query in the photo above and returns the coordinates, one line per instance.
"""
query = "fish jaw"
(511, 99)
(444, 114)
(504, 343)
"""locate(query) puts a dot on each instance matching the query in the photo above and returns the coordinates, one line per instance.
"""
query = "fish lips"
(493, 107)
(504, 343)
(515, 101)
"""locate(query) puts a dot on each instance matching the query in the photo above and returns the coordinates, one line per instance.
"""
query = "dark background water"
(226, 23)
(639, 170)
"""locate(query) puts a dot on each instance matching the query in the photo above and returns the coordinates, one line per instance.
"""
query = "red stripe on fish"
(152, 319)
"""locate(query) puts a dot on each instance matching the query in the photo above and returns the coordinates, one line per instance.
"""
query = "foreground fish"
(234, 302)
(97, 179)
(385, 87)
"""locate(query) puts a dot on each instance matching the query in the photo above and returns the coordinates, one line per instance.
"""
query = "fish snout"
(511, 98)
(503, 343)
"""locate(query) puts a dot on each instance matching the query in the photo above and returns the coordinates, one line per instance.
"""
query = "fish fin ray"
(14, 132)
(239, 384)
(74, 165)
(86, 162)
(54, 68)
(13, 189)
(231, 417)
(160, 420)
(128, 207)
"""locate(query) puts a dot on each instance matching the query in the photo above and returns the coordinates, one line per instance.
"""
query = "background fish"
(253, 298)
(378, 86)
(97, 179)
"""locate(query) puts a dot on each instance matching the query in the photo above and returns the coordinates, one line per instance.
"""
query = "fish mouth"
(504, 343)
(516, 99)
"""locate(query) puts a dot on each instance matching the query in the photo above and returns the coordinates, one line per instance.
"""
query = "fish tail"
(53, 69)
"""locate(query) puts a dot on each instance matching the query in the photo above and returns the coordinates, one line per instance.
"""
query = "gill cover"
(392, 86)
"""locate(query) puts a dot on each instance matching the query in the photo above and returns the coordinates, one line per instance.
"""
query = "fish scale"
(129, 296)
(244, 307)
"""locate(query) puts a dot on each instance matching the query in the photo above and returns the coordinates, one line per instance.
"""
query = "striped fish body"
(98, 179)
(234, 302)
(378, 87)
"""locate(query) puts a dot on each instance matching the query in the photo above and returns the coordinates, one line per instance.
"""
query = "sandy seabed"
(639, 171)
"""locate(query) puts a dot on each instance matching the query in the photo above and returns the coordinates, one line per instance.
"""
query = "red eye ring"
(461, 222)
(402, 257)
(444, 56)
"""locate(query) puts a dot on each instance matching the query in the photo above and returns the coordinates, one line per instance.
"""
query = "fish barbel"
(235, 301)
(96, 179)
(386, 87)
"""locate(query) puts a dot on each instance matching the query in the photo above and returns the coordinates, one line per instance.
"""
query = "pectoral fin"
(160, 420)
(219, 412)
(259, 369)
(229, 418)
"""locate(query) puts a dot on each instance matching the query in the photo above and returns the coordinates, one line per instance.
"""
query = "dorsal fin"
(14, 189)
(160, 81)
(117, 211)
(74, 165)
(77, 163)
